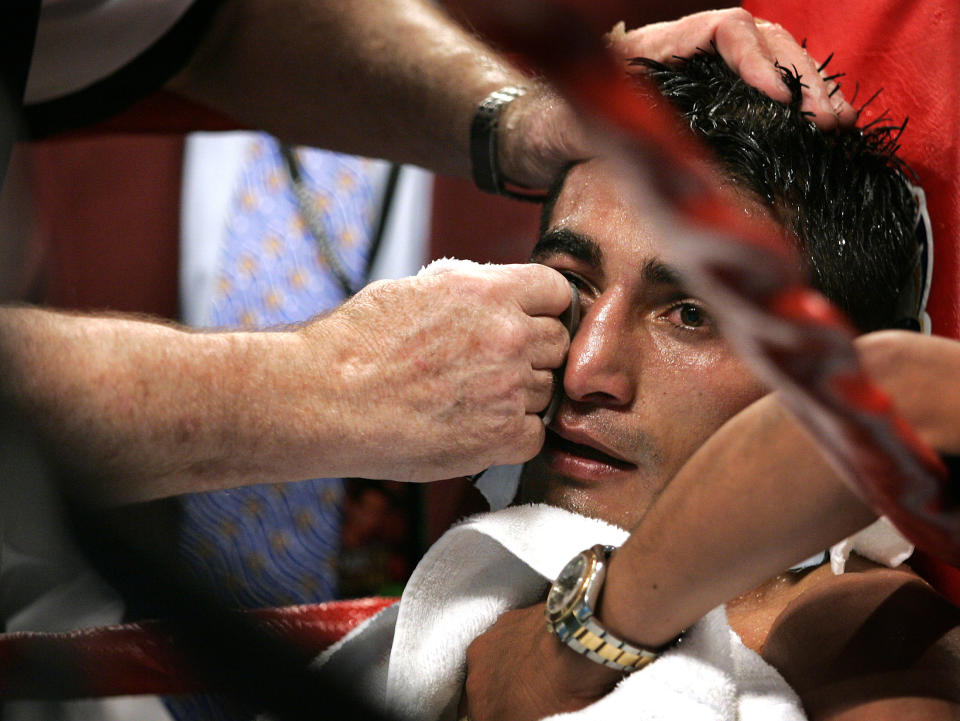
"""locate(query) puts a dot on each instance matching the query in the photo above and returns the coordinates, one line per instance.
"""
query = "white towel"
(497, 561)
(880, 542)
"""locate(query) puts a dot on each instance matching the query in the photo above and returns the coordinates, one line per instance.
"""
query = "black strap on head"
(18, 31)
(914, 295)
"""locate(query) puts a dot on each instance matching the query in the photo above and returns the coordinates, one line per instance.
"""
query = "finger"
(816, 93)
(732, 31)
(463, 707)
(846, 113)
(819, 96)
(751, 48)
(550, 343)
(789, 54)
(528, 443)
(538, 391)
(538, 289)
(746, 50)
(664, 41)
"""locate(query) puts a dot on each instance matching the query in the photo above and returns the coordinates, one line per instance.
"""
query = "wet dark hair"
(844, 194)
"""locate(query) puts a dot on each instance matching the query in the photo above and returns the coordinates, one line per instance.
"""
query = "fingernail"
(776, 78)
(826, 105)
(616, 35)
(779, 76)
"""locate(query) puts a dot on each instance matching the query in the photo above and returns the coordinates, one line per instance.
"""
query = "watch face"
(567, 586)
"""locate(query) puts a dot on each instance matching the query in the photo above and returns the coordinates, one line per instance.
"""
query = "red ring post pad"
(791, 336)
(141, 658)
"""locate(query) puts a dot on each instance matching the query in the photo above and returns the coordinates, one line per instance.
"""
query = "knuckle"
(523, 274)
(559, 337)
(530, 439)
(738, 15)
(518, 380)
(535, 271)
(512, 334)
(540, 274)
(512, 425)
(508, 388)
(779, 32)
(501, 429)
(882, 353)
(467, 284)
(511, 430)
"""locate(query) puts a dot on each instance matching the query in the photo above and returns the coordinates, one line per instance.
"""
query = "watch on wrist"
(570, 614)
(484, 147)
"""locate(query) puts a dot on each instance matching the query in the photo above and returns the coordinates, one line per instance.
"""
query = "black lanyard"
(314, 223)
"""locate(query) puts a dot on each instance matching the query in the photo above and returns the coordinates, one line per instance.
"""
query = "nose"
(601, 363)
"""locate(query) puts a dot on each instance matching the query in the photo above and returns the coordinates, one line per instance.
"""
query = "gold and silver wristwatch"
(570, 608)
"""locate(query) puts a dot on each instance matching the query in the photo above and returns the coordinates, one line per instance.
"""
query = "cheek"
(698, 394)
(720, 392)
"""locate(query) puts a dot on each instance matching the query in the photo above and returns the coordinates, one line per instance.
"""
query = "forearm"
(755, 499)
(430, 377)
(399, 79)
(141, 410)
(919, 373)
(385, 78)
(700, 546)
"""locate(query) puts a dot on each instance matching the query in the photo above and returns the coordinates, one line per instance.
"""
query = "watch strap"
(596, 643)
(484, 146)
(579, 629)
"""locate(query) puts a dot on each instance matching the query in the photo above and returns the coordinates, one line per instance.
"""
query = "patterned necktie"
(277, 544)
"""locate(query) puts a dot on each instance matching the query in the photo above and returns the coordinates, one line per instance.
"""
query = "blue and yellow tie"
(272, 545)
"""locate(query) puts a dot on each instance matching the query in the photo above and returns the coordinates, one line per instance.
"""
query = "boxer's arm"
(696, 548)
(920, 373)
(753, 500)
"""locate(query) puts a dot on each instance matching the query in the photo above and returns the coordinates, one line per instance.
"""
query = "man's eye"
(688, 315)
(587, 291)
(691, 315)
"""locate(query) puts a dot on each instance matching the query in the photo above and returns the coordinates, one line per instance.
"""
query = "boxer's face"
(648, 378)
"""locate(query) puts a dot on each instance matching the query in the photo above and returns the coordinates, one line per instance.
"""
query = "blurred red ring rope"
(144, 657)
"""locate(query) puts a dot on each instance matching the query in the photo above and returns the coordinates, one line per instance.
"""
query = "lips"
(574, 447)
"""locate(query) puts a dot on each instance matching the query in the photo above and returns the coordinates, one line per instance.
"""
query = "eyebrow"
(585, 249)
(563, 240)
(656, 272)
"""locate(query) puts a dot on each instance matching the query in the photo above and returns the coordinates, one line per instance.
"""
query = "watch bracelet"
(594, 642)
(580, 631)
(484, 145)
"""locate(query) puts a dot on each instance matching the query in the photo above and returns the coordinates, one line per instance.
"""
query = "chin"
(621, 504)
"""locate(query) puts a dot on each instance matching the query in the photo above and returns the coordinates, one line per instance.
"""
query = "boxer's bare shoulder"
(873, 643)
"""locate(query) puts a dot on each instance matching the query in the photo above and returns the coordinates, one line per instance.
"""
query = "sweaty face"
(648, 378)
